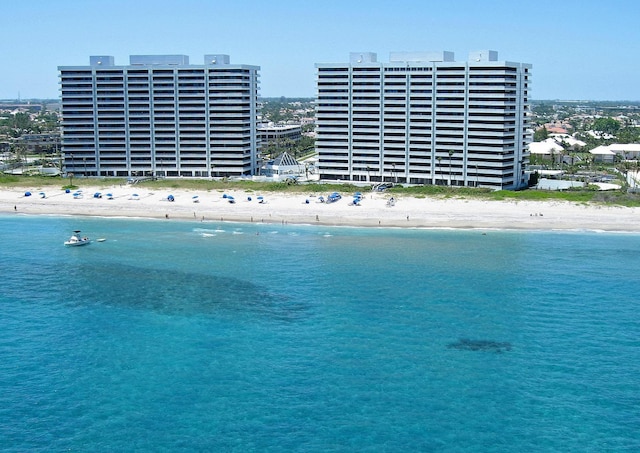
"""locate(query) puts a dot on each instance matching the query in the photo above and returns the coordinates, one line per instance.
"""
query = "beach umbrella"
(27, 194)
(97, 195)
(170, 198)
(67, 191)
(110, 196)
(42, 195)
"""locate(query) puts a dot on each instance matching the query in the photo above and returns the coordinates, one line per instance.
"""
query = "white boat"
(76, 239)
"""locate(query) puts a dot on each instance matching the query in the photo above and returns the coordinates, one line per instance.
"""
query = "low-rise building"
(624, 151)
(268, 133)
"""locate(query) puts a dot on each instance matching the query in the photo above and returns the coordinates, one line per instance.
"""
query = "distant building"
(627, 151)
(160, 115)
(568, 141)
(20, 107)
(558, 127)
(273, 133)
(602, 154)
(557, 144)
(547, 147)
(40, 143)
(601, 135)
(424, 118)
(608, 153)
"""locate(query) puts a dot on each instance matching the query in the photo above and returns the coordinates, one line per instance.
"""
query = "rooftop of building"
(421, 57)
(278, 127)
(176, 60)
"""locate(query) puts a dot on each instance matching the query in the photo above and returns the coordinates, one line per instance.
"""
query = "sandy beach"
(372, 211)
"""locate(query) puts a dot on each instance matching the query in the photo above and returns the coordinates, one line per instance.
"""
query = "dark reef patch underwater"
(464, 344)
(185, 293)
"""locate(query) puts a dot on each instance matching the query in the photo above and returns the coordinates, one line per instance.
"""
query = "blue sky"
(578, 49)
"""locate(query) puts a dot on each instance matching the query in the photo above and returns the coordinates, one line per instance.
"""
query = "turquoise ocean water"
(180, 336)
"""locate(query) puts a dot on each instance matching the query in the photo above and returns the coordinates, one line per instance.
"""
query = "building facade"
(160, 116)
(423, 118)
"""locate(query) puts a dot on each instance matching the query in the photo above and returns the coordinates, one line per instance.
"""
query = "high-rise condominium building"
(160, 116)
(424, 118)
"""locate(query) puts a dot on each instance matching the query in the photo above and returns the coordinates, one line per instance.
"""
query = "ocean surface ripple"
(183, 336)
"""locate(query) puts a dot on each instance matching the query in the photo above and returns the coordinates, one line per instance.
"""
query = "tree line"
(21, 123)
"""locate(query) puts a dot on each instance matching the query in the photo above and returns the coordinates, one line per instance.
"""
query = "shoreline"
(372, 211)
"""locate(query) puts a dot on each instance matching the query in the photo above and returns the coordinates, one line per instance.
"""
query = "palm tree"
(439, 158)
